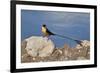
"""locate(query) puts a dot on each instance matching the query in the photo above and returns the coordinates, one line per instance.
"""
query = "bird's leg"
(43, 35)
(47, 38)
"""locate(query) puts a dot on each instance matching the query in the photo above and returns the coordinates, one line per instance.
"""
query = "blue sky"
(72, 24)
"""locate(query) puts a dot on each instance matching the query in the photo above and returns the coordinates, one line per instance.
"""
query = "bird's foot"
(43, 36)
(47, 38)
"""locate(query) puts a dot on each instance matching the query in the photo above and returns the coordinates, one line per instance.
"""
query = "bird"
(46, 33)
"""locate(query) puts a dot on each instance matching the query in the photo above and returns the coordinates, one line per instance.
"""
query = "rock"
(56, 54)
(39, 46)
(81, 58)
(65, 50)
(84, 43)
(84, 49)
(23, 46)
(42, 49)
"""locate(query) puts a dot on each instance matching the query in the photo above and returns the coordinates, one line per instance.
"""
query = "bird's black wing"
(49, 32)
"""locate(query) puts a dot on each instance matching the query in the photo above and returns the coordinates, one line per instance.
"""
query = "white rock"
(84, 43)
(39, 46)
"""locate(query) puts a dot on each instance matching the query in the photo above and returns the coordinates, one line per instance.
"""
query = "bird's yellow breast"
(43, 30)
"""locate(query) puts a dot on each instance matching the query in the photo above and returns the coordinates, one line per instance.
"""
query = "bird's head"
(44, 25)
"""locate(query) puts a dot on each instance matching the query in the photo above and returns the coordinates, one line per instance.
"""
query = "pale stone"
(39, 46)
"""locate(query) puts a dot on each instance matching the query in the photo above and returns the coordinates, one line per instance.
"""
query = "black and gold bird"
(46, 33)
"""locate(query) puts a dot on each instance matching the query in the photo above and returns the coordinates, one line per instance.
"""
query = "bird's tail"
(77, 41)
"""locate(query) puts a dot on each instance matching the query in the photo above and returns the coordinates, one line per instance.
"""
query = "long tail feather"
(77, 41)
